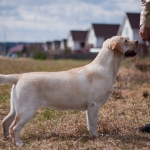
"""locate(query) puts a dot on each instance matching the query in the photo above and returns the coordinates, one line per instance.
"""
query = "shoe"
(145, 128)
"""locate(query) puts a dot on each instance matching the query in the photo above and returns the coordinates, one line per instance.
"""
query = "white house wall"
(53, 46)
(70, 42)
(62, 47)
(127, 30)
(76, 46)
(100, 42)
(92, 38)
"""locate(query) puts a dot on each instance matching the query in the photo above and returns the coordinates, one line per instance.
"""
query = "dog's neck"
(110, 62)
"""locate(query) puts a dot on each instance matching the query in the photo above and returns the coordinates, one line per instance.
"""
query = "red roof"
(134, 19)
(106, 30)
(79, 35)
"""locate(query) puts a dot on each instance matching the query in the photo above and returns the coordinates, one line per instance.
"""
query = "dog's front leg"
(92, 118)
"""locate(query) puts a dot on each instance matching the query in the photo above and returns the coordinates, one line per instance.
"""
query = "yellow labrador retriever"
(86, 88)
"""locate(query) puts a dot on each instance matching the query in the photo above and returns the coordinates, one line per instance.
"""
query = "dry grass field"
(119, 119)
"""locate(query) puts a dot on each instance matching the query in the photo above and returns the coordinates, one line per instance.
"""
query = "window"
(82, 44)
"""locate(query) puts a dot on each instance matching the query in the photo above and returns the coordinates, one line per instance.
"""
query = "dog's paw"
(94, 133)
(19, 143)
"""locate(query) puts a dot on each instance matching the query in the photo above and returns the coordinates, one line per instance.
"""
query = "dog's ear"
(116, 45)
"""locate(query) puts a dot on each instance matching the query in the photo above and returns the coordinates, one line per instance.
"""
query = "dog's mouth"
(130, 53)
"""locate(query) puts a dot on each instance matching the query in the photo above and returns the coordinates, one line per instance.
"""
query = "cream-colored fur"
(86, 88)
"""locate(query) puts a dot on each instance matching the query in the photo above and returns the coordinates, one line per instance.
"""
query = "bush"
(39, 55)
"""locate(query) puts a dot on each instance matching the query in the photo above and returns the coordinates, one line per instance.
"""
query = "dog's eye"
(126, 40)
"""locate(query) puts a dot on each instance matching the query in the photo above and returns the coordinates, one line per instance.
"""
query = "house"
(16, 49)
(55, 46)
(34, 48)
(63, 44)
(130, 27)
(76, 40)
(130, 30)
(98, 33)
(52, 48)
(47, 46)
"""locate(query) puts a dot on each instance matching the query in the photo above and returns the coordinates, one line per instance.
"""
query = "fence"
(74, 56)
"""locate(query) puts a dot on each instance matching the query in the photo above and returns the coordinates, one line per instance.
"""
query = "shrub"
(39, 55)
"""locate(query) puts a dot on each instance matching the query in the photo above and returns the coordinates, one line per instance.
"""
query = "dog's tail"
(9, 79)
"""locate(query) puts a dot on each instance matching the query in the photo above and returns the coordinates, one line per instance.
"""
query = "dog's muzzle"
(130, 53)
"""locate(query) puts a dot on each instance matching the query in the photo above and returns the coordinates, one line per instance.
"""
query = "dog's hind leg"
(10, 117)
(25, 106)
(20, 120)
(92, 118)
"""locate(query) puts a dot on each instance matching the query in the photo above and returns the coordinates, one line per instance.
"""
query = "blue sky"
(48, 20)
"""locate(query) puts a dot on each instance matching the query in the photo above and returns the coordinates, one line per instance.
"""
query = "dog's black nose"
(136, 42)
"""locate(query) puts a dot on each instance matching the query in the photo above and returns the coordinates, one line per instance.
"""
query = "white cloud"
(54, 19)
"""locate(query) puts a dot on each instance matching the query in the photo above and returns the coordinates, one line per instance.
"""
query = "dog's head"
(122, 46)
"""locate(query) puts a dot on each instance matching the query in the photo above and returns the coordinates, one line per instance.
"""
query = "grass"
(127, 109)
